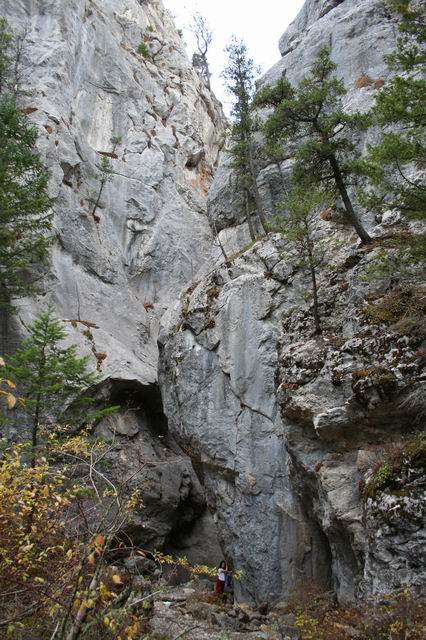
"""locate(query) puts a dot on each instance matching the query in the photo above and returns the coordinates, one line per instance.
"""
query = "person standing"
(222, 570)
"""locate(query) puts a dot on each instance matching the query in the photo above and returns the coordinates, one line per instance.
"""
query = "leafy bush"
(53, 554)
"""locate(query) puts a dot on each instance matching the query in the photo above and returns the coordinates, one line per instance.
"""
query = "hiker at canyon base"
(221, 577)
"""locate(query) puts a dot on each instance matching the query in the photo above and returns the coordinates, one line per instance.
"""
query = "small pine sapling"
(144, 50)
(302, 208)
(105, 175)
(51, 378)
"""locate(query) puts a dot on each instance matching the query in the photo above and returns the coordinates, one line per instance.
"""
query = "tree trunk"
(256, 194)
(36, 419)
(317, 321)
(98, 199)
(222, 249)
(248, 216)
(34, 431)
(5, 316)
(83, 610)
(353, 217)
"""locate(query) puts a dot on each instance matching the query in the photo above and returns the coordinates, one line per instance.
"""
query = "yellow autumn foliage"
(51, 557)
(55, 547)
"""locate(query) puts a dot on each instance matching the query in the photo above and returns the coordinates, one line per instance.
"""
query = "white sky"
(259, 23)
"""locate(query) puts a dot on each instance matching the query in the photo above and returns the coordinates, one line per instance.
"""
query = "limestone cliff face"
(288, 427)
(87, 85)
(121, 265)
(283, 428)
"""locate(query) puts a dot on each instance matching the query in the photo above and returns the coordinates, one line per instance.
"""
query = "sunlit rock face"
(88, 85)
(289, 427)
(117, 267)
(281, 428)
(358, 32)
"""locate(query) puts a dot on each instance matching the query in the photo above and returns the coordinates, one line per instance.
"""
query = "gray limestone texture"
(264, 430)
(118, 266)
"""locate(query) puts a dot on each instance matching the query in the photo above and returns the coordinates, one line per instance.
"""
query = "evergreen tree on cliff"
(311, 120)
(25, 219)
(239, 76)
(394, 166)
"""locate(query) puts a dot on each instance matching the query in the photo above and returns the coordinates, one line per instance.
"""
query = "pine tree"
(25, 218)
(399, 109)
(6, 44)
(301, 206)
(239, 75)
(310, 120)
(50, 378)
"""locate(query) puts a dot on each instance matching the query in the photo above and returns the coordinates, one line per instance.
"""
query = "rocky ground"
(300, 448)
(195, 613)
(200, 615)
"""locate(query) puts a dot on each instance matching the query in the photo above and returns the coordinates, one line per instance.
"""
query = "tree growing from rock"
(105, 175)
(239, 75)
(395, 166)
(203, 38)
(302, 207)
(310, 120)
(144, 50)
(25, 217)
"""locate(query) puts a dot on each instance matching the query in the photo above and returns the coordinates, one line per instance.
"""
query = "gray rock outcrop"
(118, 266)
(121, 265)
(288, 427)
(279, 432)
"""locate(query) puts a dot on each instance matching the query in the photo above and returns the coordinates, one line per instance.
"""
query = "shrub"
(404, 307)
(144, 50)
(61, 526)
(400, 616)
(403, 459)
(53, 554)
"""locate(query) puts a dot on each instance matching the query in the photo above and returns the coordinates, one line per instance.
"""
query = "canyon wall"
(245, 411)
(118, 266)
(288, 426)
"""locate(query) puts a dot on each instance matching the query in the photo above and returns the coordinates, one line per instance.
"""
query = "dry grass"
(364, 81)
(400, 616)
(393, 461)
(326, 215)
(404, 308)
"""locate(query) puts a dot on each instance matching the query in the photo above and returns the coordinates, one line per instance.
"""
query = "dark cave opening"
(175, 518)
(144, 400)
